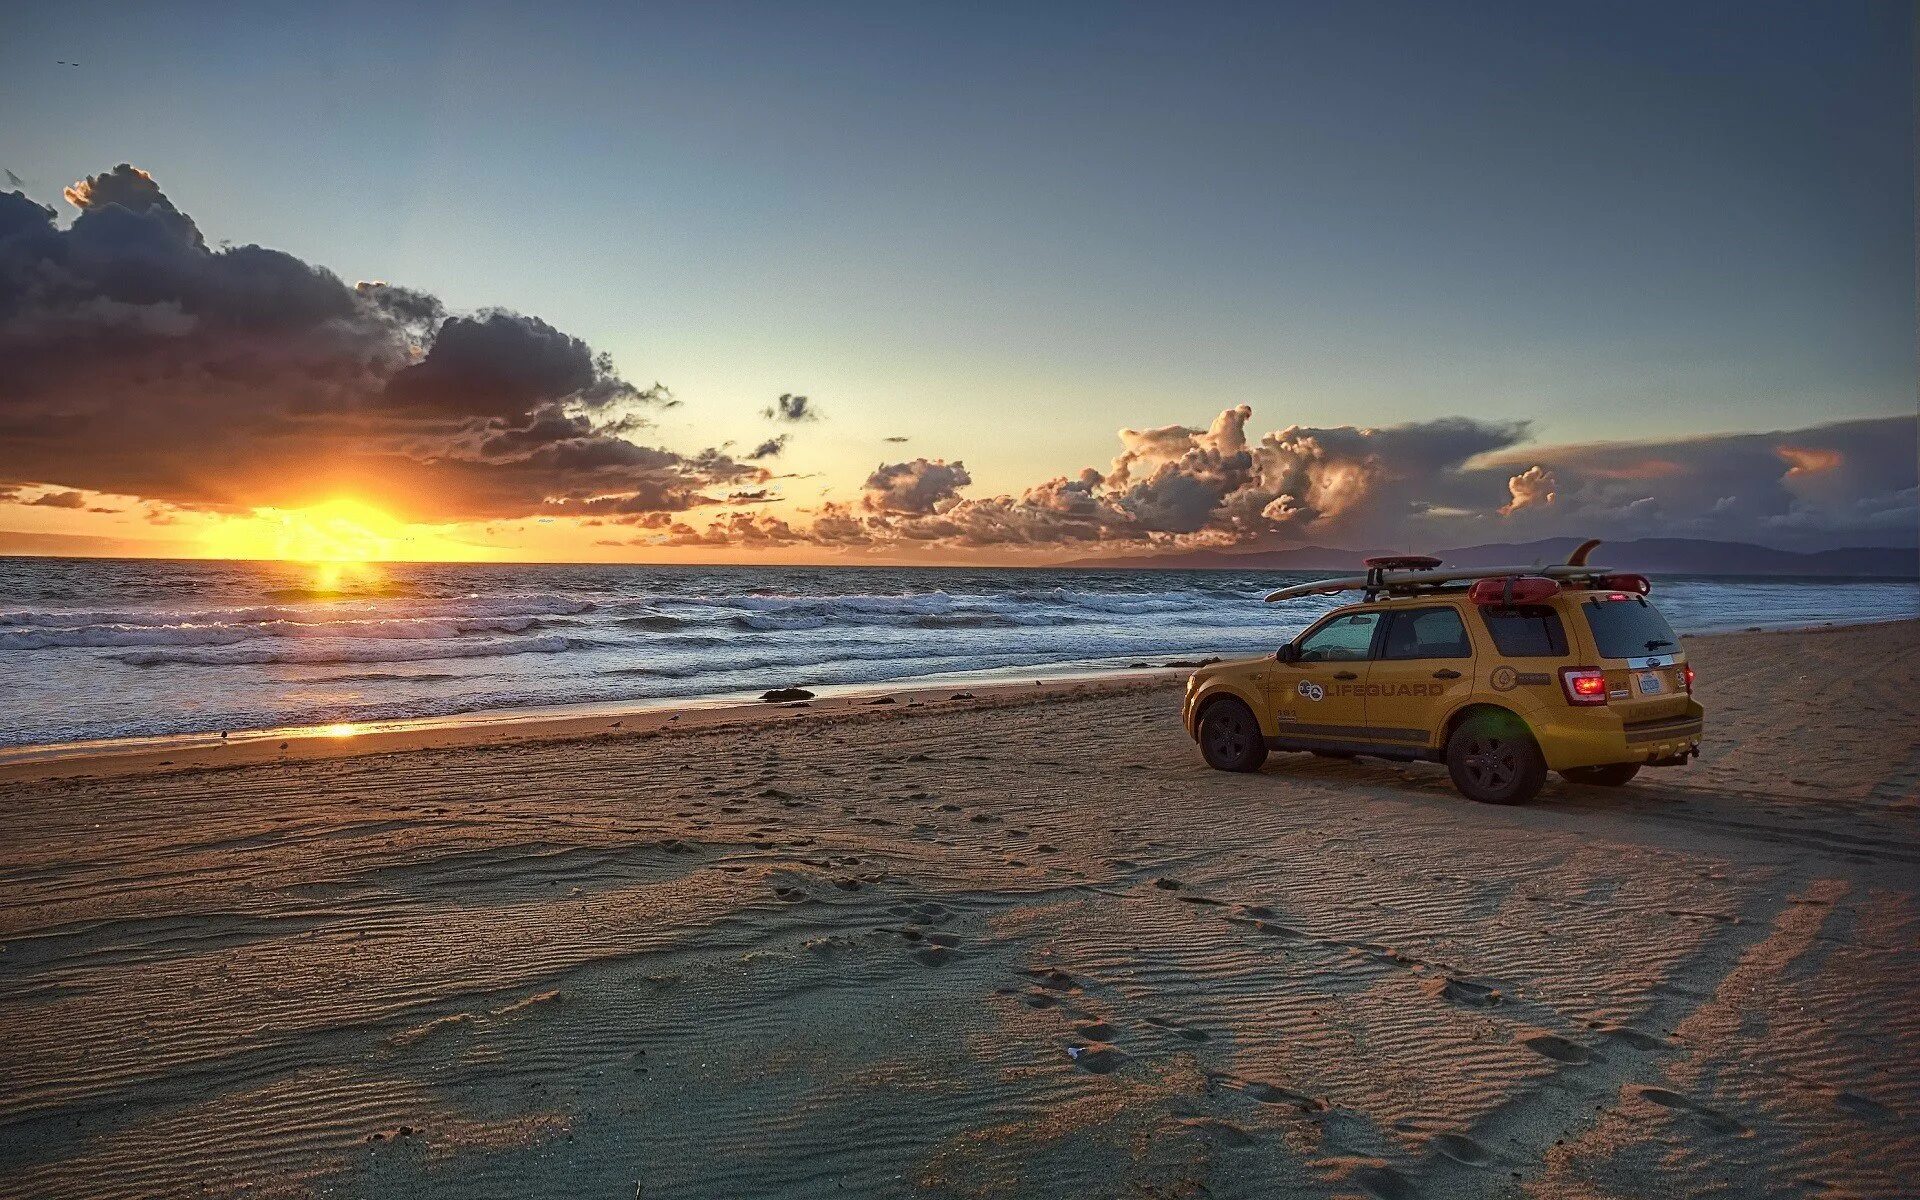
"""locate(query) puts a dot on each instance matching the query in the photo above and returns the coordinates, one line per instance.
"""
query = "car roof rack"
(1404, 575)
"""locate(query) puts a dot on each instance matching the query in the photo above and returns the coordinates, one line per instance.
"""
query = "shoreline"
(498, 727)
(109, 758)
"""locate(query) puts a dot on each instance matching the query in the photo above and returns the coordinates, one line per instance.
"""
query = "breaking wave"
(374, 652)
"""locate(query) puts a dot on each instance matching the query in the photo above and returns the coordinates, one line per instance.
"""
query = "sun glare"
(337, 536)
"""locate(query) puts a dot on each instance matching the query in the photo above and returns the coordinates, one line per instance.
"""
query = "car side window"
(1526, 631)
(1343, 639)
(1425, 633)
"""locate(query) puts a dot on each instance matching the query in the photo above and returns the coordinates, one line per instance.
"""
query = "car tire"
(1611, 775)
(1230, 738)
(1492, 758)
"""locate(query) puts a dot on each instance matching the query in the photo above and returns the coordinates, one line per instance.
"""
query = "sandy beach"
(1017, 944)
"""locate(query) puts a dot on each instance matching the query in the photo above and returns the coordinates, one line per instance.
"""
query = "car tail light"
(1638, 585)
(1688, 671)
(1585, 686)
(1512, 589)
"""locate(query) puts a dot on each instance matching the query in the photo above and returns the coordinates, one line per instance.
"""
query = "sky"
(1657, 265)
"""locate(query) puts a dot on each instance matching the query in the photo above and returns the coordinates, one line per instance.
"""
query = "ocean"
(98, 649)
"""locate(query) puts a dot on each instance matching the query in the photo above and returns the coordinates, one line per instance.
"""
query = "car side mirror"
(1288, 653)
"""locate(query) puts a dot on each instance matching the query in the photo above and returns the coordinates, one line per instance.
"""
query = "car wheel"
(1230, 737)
(1611, 775)
(1493, 759)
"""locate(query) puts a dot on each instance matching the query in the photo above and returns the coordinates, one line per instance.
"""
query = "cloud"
(1530, 488)
(790, 407)
(1846, 481)
(60, 500)
(770, 448)
(895, 439)
(141, 361)
(1419, 485)
(919, 487)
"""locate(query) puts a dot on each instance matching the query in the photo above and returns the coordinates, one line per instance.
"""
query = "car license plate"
(1650, 684)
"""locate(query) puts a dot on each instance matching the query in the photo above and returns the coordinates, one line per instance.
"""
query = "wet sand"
(1023, 944)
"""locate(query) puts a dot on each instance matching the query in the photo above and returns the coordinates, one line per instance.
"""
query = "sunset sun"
(341, 532)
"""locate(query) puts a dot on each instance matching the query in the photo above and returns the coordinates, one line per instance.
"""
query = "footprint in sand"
(791, 895)
(1558, 1049)
(1860, 1106)
(1097, 1031)
(1385, 1183)
(1097, 1058)
(1267, 1093)
(1638, 1039)
(1167, 885)
(1053, 979)
(933, 956)
(1176, 1029)
(1461, 1149)
(1712, 1118)
(1473, 995)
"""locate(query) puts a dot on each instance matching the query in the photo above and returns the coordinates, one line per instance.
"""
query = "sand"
(1018, 945)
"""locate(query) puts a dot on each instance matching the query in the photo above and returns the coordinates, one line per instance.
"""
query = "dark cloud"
(896, 439)
(139, 360)
(736, 529)
(60, 500)
(790, 407)
(501, 366)
(919, 487)
(770, 448)
(133, 191)
(1819, 486)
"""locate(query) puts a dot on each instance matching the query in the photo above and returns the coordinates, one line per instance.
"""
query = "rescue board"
(1381, 580)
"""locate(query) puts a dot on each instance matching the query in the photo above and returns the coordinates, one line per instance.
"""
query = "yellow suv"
(1503, 674)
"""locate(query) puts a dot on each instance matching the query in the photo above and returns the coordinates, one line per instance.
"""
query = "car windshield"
(1629, 628)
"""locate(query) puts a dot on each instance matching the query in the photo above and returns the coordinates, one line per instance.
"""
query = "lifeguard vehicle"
(1503, 674)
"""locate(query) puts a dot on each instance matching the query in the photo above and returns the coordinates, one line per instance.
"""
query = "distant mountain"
(1666, 556)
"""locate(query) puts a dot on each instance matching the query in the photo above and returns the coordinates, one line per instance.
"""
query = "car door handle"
(1345, 675)
(1446, 674)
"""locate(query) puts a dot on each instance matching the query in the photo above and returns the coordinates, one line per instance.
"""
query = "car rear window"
(1526, 631)
(1629, 628)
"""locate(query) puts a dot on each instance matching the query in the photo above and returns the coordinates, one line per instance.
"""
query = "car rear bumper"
(1600, 737)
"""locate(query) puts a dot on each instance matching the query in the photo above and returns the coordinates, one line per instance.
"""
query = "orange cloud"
(1802, 462)
(1652, 468)
(1531, 488)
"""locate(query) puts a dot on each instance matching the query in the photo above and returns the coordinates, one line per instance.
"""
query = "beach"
(995, 941)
